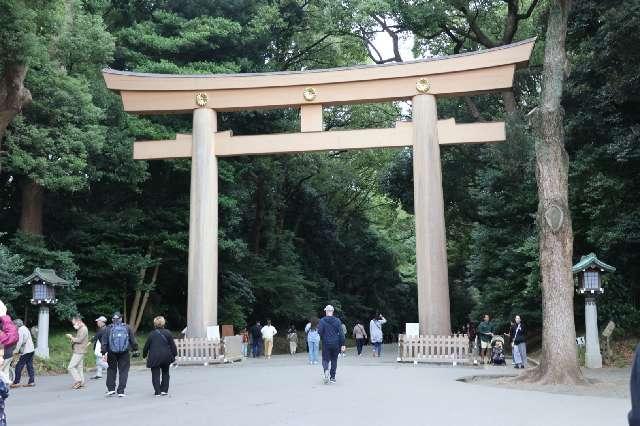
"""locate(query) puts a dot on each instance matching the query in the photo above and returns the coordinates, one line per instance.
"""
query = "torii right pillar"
(431, 245)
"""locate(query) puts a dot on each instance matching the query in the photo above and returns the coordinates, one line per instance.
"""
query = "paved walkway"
(286, 391)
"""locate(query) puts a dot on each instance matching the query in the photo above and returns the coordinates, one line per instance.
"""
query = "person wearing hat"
(332, 337)
(26, 349)
(101, 362)
(117, 342)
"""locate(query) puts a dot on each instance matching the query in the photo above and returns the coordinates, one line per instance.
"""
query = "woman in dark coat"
(160, 351)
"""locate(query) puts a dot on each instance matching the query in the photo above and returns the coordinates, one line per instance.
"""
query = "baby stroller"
(497, 351)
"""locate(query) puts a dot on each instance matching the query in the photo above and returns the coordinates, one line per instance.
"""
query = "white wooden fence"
(444, 349)
(199, 351)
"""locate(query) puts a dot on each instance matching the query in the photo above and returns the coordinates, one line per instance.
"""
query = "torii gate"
(421, 81)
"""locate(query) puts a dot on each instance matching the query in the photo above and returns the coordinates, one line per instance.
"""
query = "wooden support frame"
(311, 118)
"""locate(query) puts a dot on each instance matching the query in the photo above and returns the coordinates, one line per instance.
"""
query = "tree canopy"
(300, 231)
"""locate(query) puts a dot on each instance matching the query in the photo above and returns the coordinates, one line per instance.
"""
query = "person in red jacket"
(8, 338)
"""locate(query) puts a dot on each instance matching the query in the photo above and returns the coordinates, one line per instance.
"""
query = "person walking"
(256, 339)
(485, 332)
(117, 342)
(332, 337)
(518, 343)
(344, 333)
(26, 350)
(313, 340)
(292, 337)
(360, 335)
(101, 363)
(8, 339)
(470, 330)
(244, 334)
(268, 332)
(634, 387)
(375, 331)
(4, 394)
(160, 351)
(79, 349)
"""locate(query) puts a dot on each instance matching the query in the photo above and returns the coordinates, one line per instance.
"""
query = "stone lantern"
(589, 271)
(44, 283)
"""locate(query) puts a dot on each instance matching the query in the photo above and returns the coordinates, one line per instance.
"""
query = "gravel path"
(288, 391)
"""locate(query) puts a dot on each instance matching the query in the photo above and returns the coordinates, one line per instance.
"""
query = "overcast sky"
(384, 44)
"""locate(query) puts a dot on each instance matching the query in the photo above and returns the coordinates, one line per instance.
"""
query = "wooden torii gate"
(420, 81)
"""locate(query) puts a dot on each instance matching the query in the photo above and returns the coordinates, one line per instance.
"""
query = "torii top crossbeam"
(463, 74)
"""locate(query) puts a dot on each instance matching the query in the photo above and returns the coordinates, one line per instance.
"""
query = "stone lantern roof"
(591, 261)
(48, 276)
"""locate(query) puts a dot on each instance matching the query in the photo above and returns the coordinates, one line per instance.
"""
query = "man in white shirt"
(26, 349)
(268, 331)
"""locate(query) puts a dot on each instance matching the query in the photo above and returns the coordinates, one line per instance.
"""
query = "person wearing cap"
(332, 337)
(117, 342)
(26, 349)
(101, 362)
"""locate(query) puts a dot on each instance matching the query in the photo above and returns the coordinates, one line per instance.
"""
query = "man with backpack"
(117, 342)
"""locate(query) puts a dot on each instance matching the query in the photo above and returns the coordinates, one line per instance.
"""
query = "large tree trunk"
(31, 213)
(13, 96)
(559, 363)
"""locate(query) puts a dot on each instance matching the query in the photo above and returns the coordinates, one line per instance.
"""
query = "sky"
(384, 44)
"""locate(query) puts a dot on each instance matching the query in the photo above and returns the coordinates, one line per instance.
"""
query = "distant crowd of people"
(486, 344)
(257, 340)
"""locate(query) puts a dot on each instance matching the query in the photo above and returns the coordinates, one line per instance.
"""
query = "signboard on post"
(608, 330)
(412, 329)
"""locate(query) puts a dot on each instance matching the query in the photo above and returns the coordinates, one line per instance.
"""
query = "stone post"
(42, 350)
(431, 247)
(202, 299)
(592, 357)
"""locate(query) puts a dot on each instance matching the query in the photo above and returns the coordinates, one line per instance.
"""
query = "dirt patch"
(606, 382)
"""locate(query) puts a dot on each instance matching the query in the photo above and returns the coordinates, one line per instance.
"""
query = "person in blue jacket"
(634, 414)
(332, 337)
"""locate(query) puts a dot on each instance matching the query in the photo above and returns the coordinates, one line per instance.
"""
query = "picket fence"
(442, 349)
(199, 351)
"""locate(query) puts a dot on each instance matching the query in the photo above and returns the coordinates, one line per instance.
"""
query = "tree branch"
(482, 38)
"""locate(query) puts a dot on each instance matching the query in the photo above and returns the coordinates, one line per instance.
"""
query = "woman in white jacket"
(375, 332)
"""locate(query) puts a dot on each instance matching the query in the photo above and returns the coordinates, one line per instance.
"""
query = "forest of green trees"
(300, 231)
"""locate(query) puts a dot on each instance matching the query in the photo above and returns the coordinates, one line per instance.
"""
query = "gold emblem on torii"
(423, 85)
(202, 99)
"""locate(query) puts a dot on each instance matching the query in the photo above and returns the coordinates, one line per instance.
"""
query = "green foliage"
(300, 231)
(10, 268)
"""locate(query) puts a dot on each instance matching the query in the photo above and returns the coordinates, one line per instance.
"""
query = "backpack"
(119, 338)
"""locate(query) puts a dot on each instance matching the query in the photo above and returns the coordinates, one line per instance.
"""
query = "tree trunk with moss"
(13, 97)
(32, 204)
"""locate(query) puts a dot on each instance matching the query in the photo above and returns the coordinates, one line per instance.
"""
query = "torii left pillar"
(431, 243)
(202, 299)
